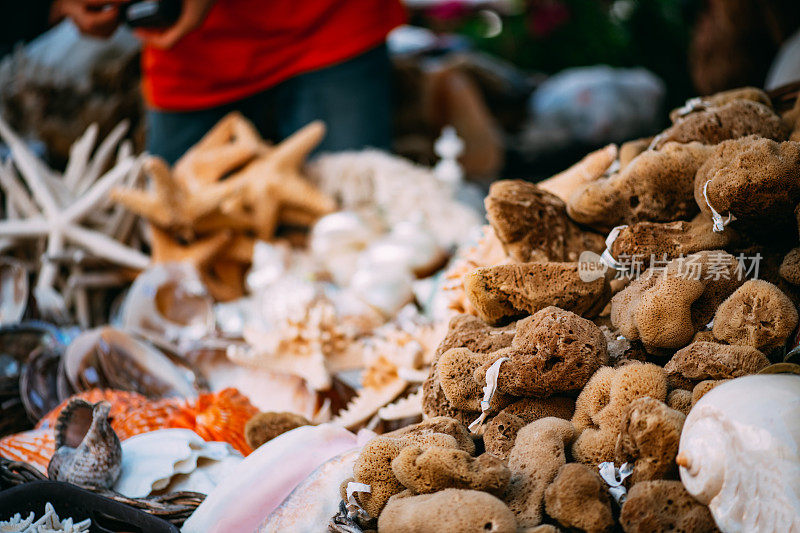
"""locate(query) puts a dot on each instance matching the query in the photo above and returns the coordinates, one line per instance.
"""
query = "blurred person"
(282, 63)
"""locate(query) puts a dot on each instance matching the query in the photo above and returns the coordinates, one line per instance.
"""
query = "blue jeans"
(352, 97)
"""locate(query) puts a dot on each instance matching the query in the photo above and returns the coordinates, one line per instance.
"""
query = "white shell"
(337, 241)
(178, 459)
(386, 288)
(409, 245)
(741, 448)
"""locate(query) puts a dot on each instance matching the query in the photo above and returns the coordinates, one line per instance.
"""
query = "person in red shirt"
(282, 63)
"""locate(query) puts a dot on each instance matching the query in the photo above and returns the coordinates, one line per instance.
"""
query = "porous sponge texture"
(710, 360)
(663, 505)
(501, 431)
(264, 427)
(578, 498)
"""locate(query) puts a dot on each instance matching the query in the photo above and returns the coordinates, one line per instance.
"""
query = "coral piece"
(647, 242)
(588, 169)
(501, 432)
(533, 225)
(600, 407)
(739, 453)
(657, 186)
(680, 400)
(263, 427)
(755, 182)
(48, 523)
(503, 293)
(666, 306)
(709, 360)
(664, 506)
(553, 351)
(88, 452)
(435, 468)
(534, 461)
(757, 314)
(649, 437)
(466, 511)
(578, 498)
(732, 120)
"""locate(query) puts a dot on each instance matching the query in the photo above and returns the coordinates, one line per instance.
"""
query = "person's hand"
(193, 13)
(98, 18)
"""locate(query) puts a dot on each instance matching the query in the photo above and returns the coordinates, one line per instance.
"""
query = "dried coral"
(436, 468)
(664, 506)
(533, 225)
(264, 427)
(466, 511)
(649, 438)
(709, 360)
(758, 314)
(665, 307)
(578, 498)
(534, 461)
(657, 186)
(756, 182)
(505, 292)
(601, 407)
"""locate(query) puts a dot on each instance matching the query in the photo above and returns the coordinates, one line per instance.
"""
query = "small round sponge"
(578, 498)
(501, 432)
(264, 427)
(664, 506)
(437, 468)
(710, 360)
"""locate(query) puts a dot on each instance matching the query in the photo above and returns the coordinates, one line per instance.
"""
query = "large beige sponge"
(501, 431)
(425, 470)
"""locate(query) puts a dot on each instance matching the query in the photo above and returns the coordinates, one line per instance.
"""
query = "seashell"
(337, 241)
(169, 302)
(39, 383)
(739, 453)
(13, 291)
(367, 402)
(35, 447)
(171, 460)
(384, 287)
(110, 358)
(408, 407)
(315, 500)
(88, 452)
(410, 245)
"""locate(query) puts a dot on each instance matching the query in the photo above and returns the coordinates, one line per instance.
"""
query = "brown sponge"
(264, 427)
(440, 425)
(704, 387)
(553, 351)
(503, 293)
(601, 407)
(719, 99)
(665, 307)
(790, 266)
(436, 468)
(680, 400)
(660, 241)
(456, 369)
(758, 314)
(710, 360)
(466, 511)
(758, 182)
(534, 461)
(501, 431)
(630, 149)
(533, 225)
(657, 186)
(578, 498)
(664, 506)
(735, 119)
(649, 438)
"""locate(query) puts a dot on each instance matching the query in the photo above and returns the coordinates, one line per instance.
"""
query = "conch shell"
(740, 453)
(88, 452)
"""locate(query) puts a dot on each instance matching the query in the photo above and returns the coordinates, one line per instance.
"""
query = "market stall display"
(341, 343)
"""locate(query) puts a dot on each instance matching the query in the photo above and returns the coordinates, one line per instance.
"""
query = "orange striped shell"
(219, 416)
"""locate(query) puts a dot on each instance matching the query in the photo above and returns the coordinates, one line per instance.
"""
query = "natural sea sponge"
(534, 461)
(649, 438)
(553, 351)
(578, 498)
(436, 468)
(533, 224)
(591, 167)
(503, 293)
(440, 425)
(630, 149)
(601, 407)
(758, 314)
(664, 506)
(790, 266)
(466, 511)
(735, 119)
(755, 180)
(680, 400)
(704, 387)
(264, 427)
(657, 186)
(710, 360)
(501, 431)
(719, 99)
(665, 307)
(456, 368)
(650, 242)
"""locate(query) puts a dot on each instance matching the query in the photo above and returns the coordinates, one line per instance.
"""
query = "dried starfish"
(407, 407)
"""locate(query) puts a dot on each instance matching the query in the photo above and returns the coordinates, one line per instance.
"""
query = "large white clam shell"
(740, 451)
(174, 459)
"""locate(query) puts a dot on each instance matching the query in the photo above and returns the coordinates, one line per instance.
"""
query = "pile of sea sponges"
(571, 360)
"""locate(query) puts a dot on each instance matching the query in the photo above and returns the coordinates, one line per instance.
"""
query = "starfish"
(59, 208)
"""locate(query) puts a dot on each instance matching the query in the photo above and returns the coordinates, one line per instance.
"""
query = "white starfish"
(58, 208)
